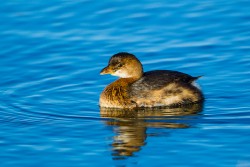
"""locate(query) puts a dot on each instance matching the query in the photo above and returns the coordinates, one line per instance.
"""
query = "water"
(52, 53)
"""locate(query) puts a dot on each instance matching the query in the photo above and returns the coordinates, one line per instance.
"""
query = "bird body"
(156, 88)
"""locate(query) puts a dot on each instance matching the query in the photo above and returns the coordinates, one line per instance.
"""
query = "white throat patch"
(121, 74)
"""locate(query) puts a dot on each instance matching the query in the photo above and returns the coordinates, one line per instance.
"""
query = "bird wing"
(158, 79)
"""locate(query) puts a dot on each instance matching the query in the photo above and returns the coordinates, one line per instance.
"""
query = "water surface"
(52, 53)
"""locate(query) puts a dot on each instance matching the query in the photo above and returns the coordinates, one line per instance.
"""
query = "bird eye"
(119, 65)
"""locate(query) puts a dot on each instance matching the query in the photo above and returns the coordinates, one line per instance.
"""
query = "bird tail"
(195, 78)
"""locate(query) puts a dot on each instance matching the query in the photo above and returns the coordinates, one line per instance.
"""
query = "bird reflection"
(130, 125)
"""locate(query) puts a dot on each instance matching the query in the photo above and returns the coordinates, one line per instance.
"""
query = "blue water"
(52, 53)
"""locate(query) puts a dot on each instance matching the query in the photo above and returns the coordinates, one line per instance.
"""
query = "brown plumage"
(150, 89)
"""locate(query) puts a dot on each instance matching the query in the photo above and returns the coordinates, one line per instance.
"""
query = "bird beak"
(106, 70)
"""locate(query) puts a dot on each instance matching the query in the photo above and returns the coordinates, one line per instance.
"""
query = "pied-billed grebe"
(135, 88)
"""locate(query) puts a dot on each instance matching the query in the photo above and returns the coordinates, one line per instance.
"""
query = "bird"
(137, 89)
